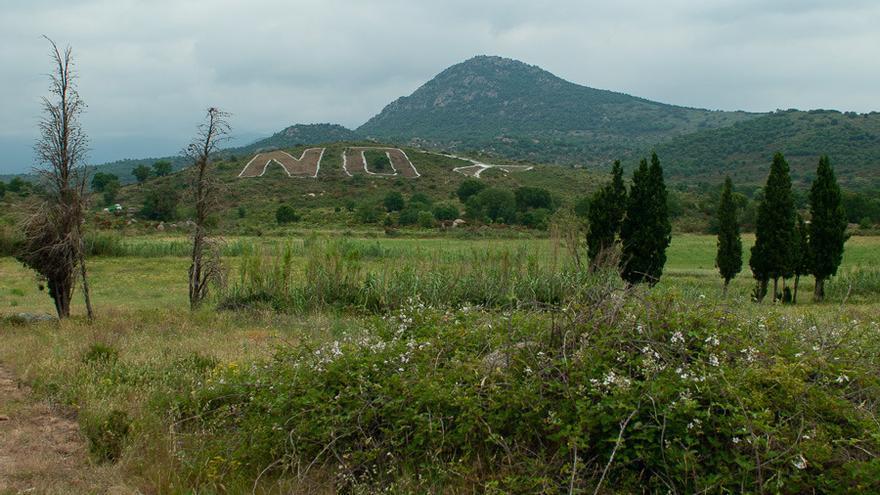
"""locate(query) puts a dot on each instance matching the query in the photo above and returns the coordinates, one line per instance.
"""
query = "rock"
(458, 222)
(28, 318)
(160, 227)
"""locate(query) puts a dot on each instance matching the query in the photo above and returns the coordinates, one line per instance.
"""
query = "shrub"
(101, 354)
(533, 197)
(393, 201)
(367, 212)
(446, 212)
(285, 214)
(160, 203)
(426, 219)
(494, 205)
(637, 396)
(409, 216)
(420, 201)
(107, 435)
(469, 187)
(242, 211)
(535, 219)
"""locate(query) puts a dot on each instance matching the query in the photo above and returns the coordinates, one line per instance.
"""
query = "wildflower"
(735, 440)
(800, 462)
(842, 379)
(713, 360)
(677, 337)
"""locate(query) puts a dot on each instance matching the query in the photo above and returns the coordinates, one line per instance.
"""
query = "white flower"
(800, 462)
(736, 440)
(677, 337)
(842, 378)
(713, 360)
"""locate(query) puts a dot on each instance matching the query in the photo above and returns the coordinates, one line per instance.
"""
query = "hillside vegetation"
(508, 108)
(743, 149)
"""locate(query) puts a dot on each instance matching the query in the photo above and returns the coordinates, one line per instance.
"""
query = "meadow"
(441, 365)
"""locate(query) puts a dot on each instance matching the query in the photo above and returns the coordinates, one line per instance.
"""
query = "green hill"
(505, 107)
(301, 134)
(745, 149)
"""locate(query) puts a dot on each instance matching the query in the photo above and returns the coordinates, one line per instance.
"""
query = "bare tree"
(206, 266)
(53, 244)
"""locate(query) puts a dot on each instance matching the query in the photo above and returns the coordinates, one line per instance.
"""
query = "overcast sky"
(148, 69)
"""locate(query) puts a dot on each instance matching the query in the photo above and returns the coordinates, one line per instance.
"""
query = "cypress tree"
(774, 229)
(645, 232)
(801, 255)
(827, 226)
(729, 256)
(605, 214)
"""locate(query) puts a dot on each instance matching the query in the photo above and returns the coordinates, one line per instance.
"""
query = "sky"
(149, 69)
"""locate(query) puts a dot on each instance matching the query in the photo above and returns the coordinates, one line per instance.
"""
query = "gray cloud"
(149, 68)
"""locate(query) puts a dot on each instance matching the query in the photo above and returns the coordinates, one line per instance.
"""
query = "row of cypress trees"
(785, 245)
(640, 218)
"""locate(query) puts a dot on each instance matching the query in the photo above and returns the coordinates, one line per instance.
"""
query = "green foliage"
(285, 214)
(645, 232)
(141, 173)
(469, 187)
(368, 212)
(537, 218)
(409, 216)
(241, 211)
(771, 254)
(393, 201)
(101, 179)
(446, 212)
(493, 204)
(828, 225)
(426, 219)
(378, 161)
(160, 203)
(107, 435)
(2, 189)
(605, 212)
(421, 201)
(18, 186)
(729, 256)
(100, 354)
(582, 207)
(162, 168)
(111, 191)
(528, 197)
(658, 397)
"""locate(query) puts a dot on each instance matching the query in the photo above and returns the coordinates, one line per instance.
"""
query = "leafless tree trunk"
(205, 266)
(54, 245)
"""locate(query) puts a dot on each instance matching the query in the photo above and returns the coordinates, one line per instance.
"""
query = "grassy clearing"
(496, 399)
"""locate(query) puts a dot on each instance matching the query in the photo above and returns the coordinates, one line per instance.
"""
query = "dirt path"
(42, 452)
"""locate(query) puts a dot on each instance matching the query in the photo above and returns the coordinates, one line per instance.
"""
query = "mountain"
(505, 107)
(744, 150)
(300, 134)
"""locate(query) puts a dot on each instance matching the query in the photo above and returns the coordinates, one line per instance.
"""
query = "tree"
(533, 197)
(2, 189)
(446, 212)
(160, 203)
(286, 214)
(802, 257)
(393, 201)
(54, 244)
(645, 232)
(101, 179)
(774, 229)
(827, 226)
(205, 265)
(110, 191)
(162, 168)
(17, 185)
(141, 173)
(728, 259)
(469, 187)
(605, 214)
(493, 204)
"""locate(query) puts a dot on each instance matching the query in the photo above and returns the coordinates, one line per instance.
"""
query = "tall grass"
(854, 282)
(346, 274)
